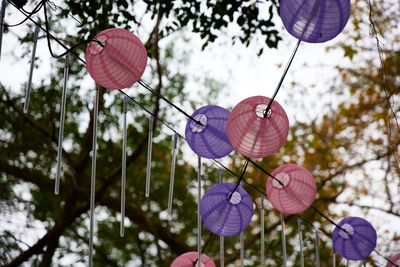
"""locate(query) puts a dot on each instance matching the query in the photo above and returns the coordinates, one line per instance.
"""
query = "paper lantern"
(224, 216)
(253, 135)
(395, 259)
(119, 61)
(208, 139)
(314, 21)
(187, 259)
(355, 239)
(298, 191)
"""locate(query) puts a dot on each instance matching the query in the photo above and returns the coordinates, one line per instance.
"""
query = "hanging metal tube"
(61, 130)
(198, 213)
(93, 177)
(242, 249)
(221, 238)
(2, 15)
(123, 175)
(317, 248)
(262, 230)
(149, 148)
(283, 240)
(29, 86)
(301, 242)
(172, 175)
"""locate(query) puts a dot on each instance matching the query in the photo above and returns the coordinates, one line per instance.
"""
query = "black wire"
(145, 85)
(34, 11)
(267, 110)
(210, 236)
(267, 173)
(246, 163)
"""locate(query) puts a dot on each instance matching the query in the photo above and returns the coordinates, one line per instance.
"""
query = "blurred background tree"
(346, 146)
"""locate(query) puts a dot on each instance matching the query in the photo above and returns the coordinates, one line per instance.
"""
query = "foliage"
(339, 147)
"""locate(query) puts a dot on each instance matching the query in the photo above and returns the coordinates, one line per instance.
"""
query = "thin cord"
(267, 110)
(35, 10)
(267, 173)
(240, 178)
(210, 236)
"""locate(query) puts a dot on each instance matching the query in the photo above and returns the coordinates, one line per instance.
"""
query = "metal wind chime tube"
(123, 175)
(333, 257)
(61, 130)
(2, 15)
(262, 231)
(172, 176)
(93, 177)
(301, 242)
(149, 148)
(198, 213)
(221, 238)
(283, 240)
(29, 86)
(317, 248)
(241, 248)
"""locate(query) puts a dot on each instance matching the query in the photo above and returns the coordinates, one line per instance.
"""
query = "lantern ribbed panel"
(251, 134)
(120, 63)
(360, 244)
(222, 217)
(395, 259)
(209, 141)
(187, 259)
(298, 193)
(315, 21)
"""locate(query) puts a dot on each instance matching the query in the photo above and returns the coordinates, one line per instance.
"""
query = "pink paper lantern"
(395, 259)
(298, 191)
(187, 259)
(251, 134)
(119, 61)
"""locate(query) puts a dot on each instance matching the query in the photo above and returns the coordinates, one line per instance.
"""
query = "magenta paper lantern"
(119, 61)
(354, 238)
(187, 260)
(297, 194)
(208, 139)
(251, 134)
(395, 259)
(315, 21)
(226, 216)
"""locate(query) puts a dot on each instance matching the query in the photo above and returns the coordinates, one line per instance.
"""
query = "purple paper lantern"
(208, 139)
(314, 21)
(395, 259)
(224, 216)
(354, 239)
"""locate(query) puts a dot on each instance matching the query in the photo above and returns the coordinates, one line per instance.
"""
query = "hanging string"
(283, 240)
(241, 248)
(240, 178)
(172, 175)
(61, 130)
(168, 126)
(198, 211)
(149, 149)
(221, 238)
(267, 110)
(123, 174)
(317, 248)
(204, 247)
(262, 218)
(93, 176)
(267, 173)
(2, 15)
(29, 86)
(300, 241)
